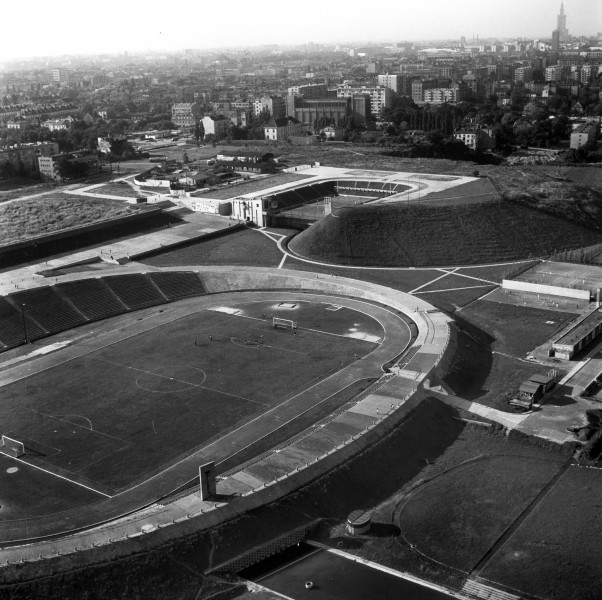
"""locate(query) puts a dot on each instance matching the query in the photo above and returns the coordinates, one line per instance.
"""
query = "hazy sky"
(36, 27)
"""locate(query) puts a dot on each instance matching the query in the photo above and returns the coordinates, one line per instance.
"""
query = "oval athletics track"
(243, 439)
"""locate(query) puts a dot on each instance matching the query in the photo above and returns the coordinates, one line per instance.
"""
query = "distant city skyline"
(136, 26)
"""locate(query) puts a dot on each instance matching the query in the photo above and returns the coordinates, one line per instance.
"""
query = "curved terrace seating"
(92, 297)
(135, 290)
(178, 284)
(48, 309)
(12, 332)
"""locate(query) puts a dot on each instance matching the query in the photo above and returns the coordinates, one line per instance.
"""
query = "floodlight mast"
(23, 307)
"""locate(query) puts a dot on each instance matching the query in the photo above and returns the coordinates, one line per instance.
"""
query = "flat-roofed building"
(584, 133)
(380, 97)
(578, 336)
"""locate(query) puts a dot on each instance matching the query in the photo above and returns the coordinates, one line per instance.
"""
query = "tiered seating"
(48, 309)
(304, 195)
(92, 297)
(134, 290)
(11, 326)
(178, 284)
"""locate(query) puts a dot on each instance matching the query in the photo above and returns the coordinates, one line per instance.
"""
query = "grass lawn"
(453, 300)
(516, 329)
(495, 273)
(402, 280)
(247, 248)
(116, 189)
(555, 552)
(456, 518)
(116, 415)
(54, 212)
(450, 282)
(477, 373)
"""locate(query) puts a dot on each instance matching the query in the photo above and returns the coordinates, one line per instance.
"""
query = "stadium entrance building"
(249, 209)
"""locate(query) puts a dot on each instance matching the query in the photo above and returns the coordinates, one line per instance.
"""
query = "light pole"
(24, 323)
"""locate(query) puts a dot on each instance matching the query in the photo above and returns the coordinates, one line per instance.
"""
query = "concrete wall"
(550, 290)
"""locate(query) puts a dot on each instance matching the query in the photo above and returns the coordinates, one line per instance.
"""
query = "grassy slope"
(555, 553)
(38, 216)
(423, 236)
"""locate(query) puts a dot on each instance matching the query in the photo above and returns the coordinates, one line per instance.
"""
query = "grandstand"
(48, 309)
(92, 297)
(135, 290)
(29, 315)
(178, 284)
(12, 323)
(371, 189)
(307, 194)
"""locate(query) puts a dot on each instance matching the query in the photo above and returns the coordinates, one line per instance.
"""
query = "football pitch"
(104, 422)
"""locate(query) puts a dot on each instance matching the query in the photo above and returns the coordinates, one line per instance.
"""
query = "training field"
(105, 421)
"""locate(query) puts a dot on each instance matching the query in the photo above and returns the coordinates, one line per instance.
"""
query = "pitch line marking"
(59, 476)
(285, 295)
(149, 373)
(80, 426)
(234, 396)
(80, 416)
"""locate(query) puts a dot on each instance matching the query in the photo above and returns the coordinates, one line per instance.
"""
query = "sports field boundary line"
(432, 280)
(59, 476)
(318, 331)
(108, 435)
(198, 452)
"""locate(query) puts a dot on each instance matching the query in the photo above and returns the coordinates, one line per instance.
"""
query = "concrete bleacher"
(178, 284)
(307, 194)
(48, 309)
(51, 309)
(12, 332)
(92, 297)
(135, 290)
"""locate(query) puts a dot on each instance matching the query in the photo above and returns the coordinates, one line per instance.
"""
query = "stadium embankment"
(420, 235)
(386, 405)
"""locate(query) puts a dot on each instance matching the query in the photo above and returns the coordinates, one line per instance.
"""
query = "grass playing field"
(457, 517)
(554, 554)
(118, 414)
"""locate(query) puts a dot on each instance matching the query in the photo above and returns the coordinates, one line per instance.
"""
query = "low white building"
(58, 124)
(249, 209)
(217, 126)
(282, 129)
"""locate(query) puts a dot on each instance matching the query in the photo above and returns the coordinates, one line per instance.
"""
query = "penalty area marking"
(59, 476)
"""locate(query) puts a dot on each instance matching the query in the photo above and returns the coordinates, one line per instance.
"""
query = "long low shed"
(578, 336)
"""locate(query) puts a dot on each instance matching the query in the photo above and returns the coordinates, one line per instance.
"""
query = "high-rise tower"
(561, 24)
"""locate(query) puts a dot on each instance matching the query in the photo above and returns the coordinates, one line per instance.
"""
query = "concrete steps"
(474, 589)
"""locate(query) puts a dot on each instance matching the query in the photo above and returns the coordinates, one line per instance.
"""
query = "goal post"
(11, 447)
(286, 323)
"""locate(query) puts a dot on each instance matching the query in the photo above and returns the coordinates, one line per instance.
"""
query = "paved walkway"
(195, 226)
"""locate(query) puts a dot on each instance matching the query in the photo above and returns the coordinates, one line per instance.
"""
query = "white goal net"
(11, 446)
